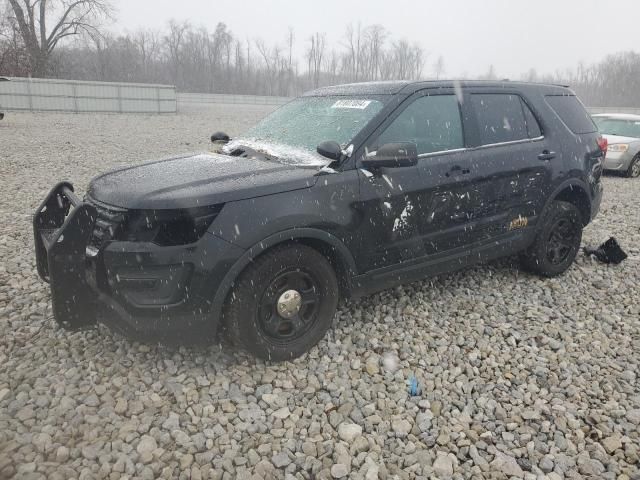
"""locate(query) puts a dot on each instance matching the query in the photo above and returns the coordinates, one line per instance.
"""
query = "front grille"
(108, 221)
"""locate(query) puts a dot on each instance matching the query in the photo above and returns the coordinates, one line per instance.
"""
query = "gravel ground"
(520, 377)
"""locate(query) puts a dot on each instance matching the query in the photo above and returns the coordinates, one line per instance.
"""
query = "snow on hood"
(287, 154)
(196, 180)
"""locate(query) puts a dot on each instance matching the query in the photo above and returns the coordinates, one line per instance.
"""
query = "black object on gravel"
(609, 252)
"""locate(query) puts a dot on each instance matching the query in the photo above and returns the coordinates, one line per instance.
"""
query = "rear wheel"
(634, 169)
(557, 241)
(283, 303)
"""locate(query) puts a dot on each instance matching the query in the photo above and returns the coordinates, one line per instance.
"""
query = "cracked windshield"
(295, 241)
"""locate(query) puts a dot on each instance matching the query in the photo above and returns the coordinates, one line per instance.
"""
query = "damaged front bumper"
(62, 226)
(139, 288)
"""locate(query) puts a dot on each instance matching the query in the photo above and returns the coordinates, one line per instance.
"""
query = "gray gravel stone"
(145, 448)
(280, 460)
(634, 416)
(507, 465)
(62, 454)
(444, 465)
(546, 464)
(349, 431)
(282, 413)
(401, 427)
(590, 466)
(611, 444)
(339, 470)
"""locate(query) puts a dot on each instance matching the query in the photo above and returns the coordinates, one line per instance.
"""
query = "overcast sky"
(513, 35)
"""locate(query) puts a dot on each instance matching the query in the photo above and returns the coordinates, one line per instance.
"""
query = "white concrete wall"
(79, 96)
(38, 94)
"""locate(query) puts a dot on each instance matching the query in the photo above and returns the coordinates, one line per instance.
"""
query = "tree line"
(66, 39)
(195, 59)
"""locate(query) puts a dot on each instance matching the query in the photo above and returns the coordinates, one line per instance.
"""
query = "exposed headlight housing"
(618, 147)
(168, 227)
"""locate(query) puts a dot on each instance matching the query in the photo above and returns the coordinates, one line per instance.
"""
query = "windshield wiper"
(244, 151)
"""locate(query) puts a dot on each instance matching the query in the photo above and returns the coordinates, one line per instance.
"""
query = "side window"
(500, 117)
(433, 123)
(533, 127)
(572, 113)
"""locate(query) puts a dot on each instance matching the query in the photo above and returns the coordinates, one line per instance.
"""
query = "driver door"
(412, 214)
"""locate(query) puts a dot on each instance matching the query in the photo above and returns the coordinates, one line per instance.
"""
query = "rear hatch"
(575, 117)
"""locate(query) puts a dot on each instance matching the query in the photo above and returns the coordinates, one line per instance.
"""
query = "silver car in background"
(622, 131)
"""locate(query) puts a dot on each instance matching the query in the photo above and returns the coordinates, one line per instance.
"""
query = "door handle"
(546, 155)
(457, 170)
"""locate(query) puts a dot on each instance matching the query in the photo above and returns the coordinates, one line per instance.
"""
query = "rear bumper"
(140, 289)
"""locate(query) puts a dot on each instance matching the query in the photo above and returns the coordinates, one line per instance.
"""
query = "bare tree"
(491, 73)
(438, 67)
(272, 60)
(353, 37)
(531, 75)
(290, 79)
(13, 56)
(315, 54)
(174, 40)
(200, 60)
(148, 43)
(375, 36)
(68, 17)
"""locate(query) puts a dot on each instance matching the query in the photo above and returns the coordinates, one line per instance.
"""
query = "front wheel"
(557, 241)
(634, 169)
(283, 303)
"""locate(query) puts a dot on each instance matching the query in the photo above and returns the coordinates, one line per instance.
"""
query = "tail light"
(603, 144)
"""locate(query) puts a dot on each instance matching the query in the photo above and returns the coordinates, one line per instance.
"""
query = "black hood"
(197, 180)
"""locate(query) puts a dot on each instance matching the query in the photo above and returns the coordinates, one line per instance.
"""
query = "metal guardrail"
(633, 110)
(37, 94)
(185, 99)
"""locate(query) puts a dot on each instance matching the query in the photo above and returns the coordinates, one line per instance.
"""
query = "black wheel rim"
(562, 241)
(278, 328)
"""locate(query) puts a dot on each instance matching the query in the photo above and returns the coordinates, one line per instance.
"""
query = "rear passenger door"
(511, 169)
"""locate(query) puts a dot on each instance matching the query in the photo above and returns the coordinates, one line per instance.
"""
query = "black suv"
(341, 192)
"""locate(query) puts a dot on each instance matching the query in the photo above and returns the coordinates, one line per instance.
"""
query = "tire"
(634, 169)
(557, 241)
(254, 314)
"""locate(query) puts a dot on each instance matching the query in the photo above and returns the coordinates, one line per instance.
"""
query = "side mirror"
(390, 155)
(330, 149)
(220, 137)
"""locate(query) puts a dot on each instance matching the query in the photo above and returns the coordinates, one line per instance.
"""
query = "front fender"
(238, 267)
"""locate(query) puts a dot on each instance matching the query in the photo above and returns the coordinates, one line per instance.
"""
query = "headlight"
(168, 227)
(618, 147)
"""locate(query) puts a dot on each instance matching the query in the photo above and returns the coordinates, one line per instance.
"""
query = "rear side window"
(572, 113)
(501, 118)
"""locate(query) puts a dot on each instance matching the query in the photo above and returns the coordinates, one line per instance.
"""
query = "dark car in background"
(344, 191)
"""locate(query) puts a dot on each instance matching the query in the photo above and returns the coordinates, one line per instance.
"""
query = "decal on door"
(519, 222)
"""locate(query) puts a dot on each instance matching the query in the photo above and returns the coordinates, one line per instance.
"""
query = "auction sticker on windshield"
(359, 104)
